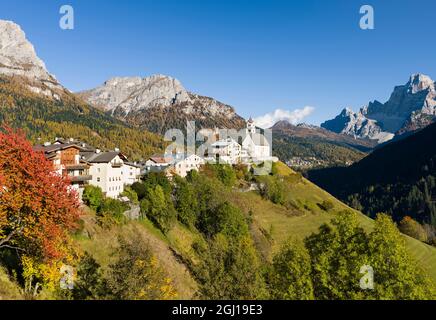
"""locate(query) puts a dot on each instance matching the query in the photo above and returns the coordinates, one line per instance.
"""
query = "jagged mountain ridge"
(410, 107)
(310, 131)
(159, 103)
(18, 58)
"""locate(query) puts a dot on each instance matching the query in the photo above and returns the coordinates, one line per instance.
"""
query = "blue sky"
(255, 55)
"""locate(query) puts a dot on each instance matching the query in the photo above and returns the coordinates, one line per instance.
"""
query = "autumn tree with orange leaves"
(37, 207)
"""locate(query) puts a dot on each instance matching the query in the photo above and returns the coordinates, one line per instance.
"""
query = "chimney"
(46, 144)
(117, 150)
(97, 150)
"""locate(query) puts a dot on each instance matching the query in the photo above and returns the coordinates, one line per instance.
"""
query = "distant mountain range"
(410, 107)
(159, 103)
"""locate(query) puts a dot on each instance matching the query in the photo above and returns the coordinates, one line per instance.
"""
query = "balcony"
(76, 167)
(117, 165)
(81, 178)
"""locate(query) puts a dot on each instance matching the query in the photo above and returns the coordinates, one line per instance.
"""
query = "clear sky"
(255, 55)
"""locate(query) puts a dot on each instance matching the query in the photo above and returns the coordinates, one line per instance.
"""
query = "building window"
(98, 179)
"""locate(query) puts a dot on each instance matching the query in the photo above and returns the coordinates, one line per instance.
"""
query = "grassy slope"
(272, 224)
(102, 244)
(8, 289)
(284, 224)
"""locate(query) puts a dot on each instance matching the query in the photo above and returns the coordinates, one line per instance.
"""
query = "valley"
(294, 218)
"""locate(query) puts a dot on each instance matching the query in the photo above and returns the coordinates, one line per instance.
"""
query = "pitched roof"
(102, 157)
(160, 159)
(50, 150)
(132, 164)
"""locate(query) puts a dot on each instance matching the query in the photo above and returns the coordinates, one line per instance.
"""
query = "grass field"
(284, 223)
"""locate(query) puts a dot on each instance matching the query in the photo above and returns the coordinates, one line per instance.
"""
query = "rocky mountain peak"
(410, 107)
(18, 56)
(159, 102)
(347, 112)
(419, 82)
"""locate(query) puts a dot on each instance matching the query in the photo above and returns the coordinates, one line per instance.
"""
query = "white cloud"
(294, 117)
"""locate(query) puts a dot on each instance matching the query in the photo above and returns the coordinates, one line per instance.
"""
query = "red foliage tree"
(37, 206)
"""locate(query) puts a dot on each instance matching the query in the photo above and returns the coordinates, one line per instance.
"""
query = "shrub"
(290, 275)
(159, 208)
(140, 189)
(326, 205)
(137, 274)
(186, 203)
(131, 194)
(93, 197)
(113, 208)
(413, 229)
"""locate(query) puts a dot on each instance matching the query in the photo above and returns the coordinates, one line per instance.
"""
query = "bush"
(229, 270)
(290, 275)
(92, 197)
(140, 189)
(89, 281)
(131, 194)
(159, 208)
(326, 205)
(226, 219)
(113, 208)
(137, 274)
(413, 229)
(186, 203)
(273, 189)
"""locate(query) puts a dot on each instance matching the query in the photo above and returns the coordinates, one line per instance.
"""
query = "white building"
(107, 172)
(157, 164)
(226, 151)
(255, 145)
(131, 173)
(189, 163)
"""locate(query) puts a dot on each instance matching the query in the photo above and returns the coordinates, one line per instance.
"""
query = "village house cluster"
(112, 171)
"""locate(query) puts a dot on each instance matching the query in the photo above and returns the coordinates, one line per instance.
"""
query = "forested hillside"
(43, 118)
(398, 178)
(222, 233)
(318, 146)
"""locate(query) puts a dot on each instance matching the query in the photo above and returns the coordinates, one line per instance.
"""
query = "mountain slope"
(273, 217)
(397, 178)
(410, 107)
(31, 99)
(271, 226)
(43, 118)
(310, 142)
(159, 103)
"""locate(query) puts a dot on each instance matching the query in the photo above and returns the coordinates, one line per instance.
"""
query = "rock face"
(357, 125)
(159, 103)
(410, 107)
(18, 58)
(17, 55)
